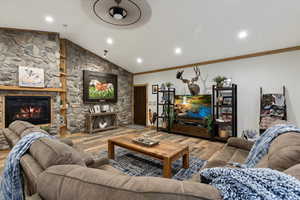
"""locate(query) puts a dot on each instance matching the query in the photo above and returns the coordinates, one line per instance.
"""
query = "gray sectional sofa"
(57, 171)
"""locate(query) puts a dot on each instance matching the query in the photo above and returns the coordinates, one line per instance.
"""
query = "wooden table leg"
(186, 160)
(111, 150)
(167, 171)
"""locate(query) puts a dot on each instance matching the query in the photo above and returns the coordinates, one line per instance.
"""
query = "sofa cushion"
(263, 163)
(225, 154)
(284, 151)
(31, 170)
(33, 129)
(230, 154)
(19, 126)
(76, 182)
(240, 143)
(294, 171)
(110, 169)
(11, 137)
(67, 141)
(214, 163)
(87, 157)
(48, 152)
(239, 156)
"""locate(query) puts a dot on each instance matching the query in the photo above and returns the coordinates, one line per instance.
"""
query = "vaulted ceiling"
(203, 29)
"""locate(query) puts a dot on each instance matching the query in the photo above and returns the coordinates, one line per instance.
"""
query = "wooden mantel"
(17, 88)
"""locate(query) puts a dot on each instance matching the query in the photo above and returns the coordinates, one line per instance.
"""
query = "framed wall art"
(154, 89)
(31, 77)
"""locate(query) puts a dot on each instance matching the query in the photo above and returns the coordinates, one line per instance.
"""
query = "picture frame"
(31, 77)
(92, 110)
(99, 87)
(105, 108)
(111, 109)
(154, 89)
(97, 108)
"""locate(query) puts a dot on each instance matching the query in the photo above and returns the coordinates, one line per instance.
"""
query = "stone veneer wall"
(32, 49)
(41, 50)
(79, 59)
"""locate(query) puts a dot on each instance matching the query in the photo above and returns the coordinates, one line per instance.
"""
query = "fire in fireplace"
(28, 112)
(34, 109)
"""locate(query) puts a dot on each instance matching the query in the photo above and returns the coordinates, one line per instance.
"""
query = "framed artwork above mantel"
(31, 77)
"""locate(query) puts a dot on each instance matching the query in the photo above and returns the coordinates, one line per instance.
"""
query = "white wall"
(270, 72)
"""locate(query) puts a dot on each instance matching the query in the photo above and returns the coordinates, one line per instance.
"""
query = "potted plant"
(209, 123)
(219, 80)
(168, 84)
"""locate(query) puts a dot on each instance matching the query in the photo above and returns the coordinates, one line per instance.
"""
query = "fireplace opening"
(34, 109)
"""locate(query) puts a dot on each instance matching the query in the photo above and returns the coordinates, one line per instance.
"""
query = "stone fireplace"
(34, 109)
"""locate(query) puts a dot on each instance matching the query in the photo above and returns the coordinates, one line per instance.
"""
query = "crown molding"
(240, 57)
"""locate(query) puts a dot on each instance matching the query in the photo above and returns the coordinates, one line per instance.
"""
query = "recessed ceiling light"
(139, 60)
(49, 19)
(109, 41)
(243, 34)
(178, 50)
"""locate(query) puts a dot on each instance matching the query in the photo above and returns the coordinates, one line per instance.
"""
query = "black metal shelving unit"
(165, 103)
(225, 110)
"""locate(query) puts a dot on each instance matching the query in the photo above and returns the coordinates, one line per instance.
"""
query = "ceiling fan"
(118, 13)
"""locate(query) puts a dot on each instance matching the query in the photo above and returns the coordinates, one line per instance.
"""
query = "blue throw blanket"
(261, 146)
(11, 185)
(252, 183)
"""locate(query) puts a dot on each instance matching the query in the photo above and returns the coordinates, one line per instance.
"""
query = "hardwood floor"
(201, 148)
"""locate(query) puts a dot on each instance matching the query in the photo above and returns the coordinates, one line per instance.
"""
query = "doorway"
(140, 105)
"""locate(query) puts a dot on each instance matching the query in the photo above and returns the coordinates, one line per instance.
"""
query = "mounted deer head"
(193, 87)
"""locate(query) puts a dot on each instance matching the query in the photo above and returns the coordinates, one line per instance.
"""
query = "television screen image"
(101, 90)
(99, 87)
(193, 107)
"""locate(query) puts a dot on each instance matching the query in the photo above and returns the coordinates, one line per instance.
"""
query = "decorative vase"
(219, 85)
(223, 134)
(165, 124)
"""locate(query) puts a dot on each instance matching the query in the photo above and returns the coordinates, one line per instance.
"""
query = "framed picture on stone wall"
(31, 77)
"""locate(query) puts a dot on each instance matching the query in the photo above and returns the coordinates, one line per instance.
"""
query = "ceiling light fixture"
(178, 50)
(49, 19)
(243, 34)
(139, 60)
(117, 12)
(109, 41)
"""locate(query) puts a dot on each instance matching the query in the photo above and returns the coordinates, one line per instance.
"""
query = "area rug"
(135, 164)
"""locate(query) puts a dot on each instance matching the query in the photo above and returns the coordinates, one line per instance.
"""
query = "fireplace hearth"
(34, 109)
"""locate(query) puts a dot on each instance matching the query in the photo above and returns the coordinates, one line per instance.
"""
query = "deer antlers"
(198, 73)
(193, 87)
(179, 76)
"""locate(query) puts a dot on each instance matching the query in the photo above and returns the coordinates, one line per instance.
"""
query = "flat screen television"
(193, 107)
(99, 87)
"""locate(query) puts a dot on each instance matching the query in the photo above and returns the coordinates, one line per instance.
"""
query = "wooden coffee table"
(166, 152)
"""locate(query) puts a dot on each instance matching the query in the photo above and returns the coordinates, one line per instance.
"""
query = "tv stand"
(189, 127)
(93, 118)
